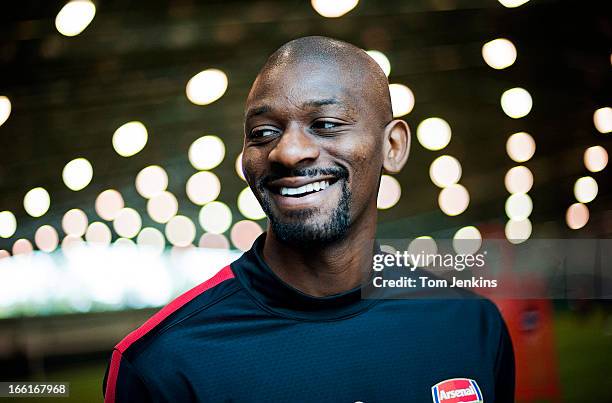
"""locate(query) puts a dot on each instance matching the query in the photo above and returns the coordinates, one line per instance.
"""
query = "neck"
(323, 269)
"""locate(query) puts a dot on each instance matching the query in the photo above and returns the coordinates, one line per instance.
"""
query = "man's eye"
(260, 133)
(325, 125)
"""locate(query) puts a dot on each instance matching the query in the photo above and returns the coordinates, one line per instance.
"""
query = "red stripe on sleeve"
(111, 381)
(224, 274)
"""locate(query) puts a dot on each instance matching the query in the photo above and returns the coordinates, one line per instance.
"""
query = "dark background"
(132, 63)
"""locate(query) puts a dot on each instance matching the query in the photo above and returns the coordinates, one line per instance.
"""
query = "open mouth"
(303, 190)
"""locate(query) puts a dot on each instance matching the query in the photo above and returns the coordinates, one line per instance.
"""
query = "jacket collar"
(275, 295)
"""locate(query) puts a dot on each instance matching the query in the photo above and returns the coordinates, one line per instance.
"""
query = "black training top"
(247, 336)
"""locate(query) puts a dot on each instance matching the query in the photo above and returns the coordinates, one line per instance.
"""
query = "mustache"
(338, 172)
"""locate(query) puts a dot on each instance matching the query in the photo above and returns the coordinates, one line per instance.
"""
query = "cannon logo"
(456, 390)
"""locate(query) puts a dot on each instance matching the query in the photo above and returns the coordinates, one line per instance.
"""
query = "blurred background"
(121, 127)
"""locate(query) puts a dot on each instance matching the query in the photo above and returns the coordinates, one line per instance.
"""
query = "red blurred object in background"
(530, 323)
(531, 328)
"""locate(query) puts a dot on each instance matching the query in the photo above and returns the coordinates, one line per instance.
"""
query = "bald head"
(312, 57)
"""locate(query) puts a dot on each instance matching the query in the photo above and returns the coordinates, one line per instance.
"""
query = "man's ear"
(396, 145)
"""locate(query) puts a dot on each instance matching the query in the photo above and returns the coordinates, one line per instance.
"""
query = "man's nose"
(295, 146)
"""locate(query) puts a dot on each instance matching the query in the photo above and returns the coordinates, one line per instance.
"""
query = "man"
(286, 322)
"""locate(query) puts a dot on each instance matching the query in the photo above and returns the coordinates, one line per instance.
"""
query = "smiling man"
(287, 322)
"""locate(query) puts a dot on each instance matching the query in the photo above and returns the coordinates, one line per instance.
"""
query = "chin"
(311, 231)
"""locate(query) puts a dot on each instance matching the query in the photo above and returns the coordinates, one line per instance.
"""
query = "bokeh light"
(46, 238)
(249, 206)
(244, 233)
(98, 233)
(130, 138)
(499, 53)
(151, 181)
(333, 8)
(518, 180)
(214, 241)
(4, 253)
(215, 217)
(520, 147)
(206, 152)
(108, 204)
(203, 187)
(388, 249)
(518, 231)
(516, 102)
(125, 243)
(445, 171)
(518, 206)
(453, 200)
(577, 216)
(74, 222)
(422, 245)
(467, 240)
(512, 3)
(74, 17)
(179, 253)
(36, 202)
(585, 189)
(22, 247)
(127, 223)
(77, 174)
(434, 133)
(180, 231)
(8, 224)
(152, 239)
(595, 158)
(5, 109)
(162, 207)
(603, 119)
(382, 60)
(389, 192)
(238, 167)
(71, 242)
(206, 87)
(402, 99)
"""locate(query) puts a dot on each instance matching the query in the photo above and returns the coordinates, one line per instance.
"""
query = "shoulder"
(200, 298)
(454, 306)
(124, 381)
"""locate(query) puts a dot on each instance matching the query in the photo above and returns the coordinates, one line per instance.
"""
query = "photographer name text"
(428, 282)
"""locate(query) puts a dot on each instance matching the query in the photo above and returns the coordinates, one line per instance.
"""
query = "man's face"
(312, 151)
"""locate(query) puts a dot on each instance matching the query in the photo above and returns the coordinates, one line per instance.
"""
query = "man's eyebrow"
(321, 102)
(257, 111)
(313, 103)
(346, 108)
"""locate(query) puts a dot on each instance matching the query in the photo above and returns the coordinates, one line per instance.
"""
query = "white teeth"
(311, 187)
